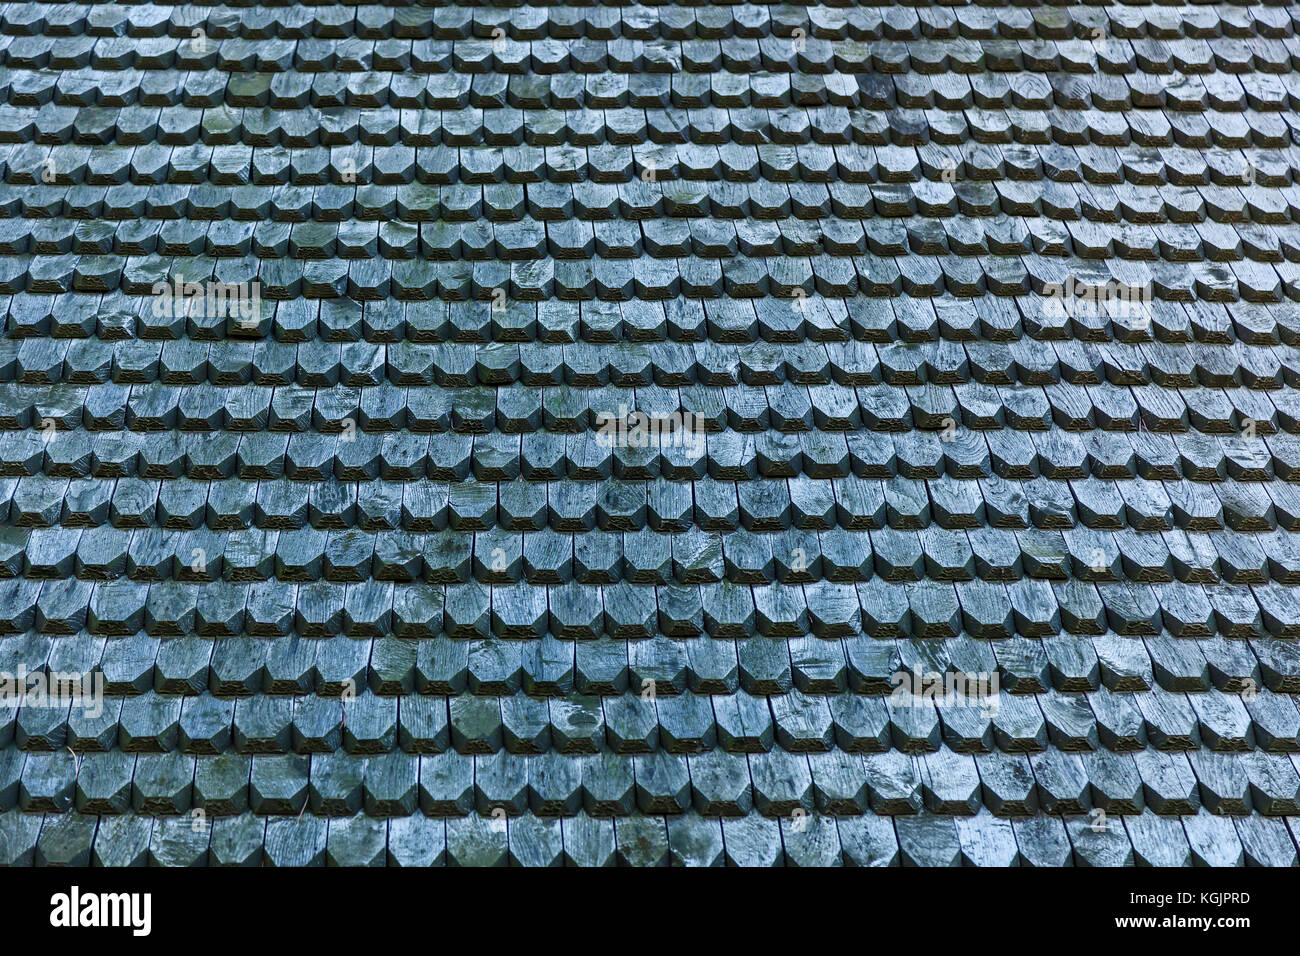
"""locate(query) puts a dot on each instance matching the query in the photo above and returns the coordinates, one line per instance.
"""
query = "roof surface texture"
(953, 344)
